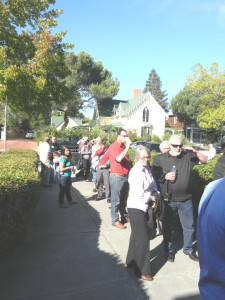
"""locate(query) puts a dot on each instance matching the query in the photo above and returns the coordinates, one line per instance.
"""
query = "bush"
(20, 185)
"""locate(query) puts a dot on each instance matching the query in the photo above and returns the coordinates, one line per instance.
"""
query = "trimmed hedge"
(20, 186)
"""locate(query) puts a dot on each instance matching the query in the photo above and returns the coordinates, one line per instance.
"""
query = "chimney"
(136, 92)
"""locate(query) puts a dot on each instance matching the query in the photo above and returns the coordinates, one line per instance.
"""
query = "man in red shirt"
(119, 167)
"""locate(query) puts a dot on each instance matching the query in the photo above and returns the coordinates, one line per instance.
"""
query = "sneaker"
(95, 190)
(170, 257)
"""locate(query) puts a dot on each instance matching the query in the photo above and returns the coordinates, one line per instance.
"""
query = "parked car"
(138, 143)
(70, 141)
(153, 147)
(29, 135)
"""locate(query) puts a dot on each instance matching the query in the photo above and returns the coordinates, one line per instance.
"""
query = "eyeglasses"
(124, 135)
(176, 146)
(145, 157)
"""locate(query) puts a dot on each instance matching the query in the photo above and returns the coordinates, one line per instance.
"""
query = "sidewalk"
(76, 254)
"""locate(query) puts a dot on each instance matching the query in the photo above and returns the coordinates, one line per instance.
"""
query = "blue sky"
(131, 37)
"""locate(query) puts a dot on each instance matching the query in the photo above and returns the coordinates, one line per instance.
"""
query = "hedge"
(20, 186)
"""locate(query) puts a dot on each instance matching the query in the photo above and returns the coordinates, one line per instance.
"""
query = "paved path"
(75, 253)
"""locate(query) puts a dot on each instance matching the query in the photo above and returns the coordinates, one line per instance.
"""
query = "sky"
(130, 37)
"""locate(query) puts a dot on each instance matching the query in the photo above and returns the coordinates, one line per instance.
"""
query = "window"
(145, 117)
(145, 131)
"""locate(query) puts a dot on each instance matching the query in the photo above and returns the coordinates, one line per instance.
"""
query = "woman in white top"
(142, 187)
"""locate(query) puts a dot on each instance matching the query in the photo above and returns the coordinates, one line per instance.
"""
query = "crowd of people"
(140, 194)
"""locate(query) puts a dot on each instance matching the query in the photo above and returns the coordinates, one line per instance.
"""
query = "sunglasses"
(176, 146)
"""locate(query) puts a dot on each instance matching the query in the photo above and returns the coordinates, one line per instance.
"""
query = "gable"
(106, 107)
(56, 120)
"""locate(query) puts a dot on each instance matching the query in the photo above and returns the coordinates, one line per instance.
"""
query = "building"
(142, 114)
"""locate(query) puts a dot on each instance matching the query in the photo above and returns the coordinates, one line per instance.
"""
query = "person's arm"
(63, 168)
(121, 156)
(202, 158)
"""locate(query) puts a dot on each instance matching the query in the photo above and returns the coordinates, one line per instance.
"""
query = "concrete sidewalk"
(75, 253)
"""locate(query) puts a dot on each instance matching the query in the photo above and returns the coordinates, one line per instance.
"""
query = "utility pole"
(5, 131)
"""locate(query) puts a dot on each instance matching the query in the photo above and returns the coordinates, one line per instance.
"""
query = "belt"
(122, 175)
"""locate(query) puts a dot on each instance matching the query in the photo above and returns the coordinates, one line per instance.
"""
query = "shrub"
(20, 185)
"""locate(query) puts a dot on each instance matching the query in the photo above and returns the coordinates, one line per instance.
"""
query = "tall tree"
(90, 79)
(209, 84)
(154, 85)
(185, 106)
(32, 62)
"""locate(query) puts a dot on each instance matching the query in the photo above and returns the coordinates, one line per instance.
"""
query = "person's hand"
(128, 141)
(153, 202)
(190, 148)
(170, 176)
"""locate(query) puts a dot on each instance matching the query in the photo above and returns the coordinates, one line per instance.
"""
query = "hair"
(120, 130)
(161, 146)
(64, 148)
(103, 142)
(174, 137)
(138, 150)
(98, 140)
(46, 139)
(55, 153)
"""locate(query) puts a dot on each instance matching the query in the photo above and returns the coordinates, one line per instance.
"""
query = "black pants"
(64, 186)
(138, 255)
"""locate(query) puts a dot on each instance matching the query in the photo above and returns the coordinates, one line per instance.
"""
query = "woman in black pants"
(142, 188)
(65, 168)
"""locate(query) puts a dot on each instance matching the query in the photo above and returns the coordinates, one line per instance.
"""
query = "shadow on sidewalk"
(61, 257)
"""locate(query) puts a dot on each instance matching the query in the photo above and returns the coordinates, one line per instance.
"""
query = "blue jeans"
(119, 193)
(185, 211)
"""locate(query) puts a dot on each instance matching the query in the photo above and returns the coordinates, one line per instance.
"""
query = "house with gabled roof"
(142, 113)
(59, 122)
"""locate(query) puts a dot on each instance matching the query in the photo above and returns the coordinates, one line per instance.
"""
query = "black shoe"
(108, 200)
(191, 255)
(170, 257)
(95, 190)
(98, 198)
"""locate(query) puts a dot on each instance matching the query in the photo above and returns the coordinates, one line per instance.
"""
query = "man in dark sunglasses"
(176, 190)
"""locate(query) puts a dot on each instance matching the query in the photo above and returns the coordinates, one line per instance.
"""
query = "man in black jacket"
(176, 191)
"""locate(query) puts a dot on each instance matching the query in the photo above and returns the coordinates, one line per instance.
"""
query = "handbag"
(94, 165)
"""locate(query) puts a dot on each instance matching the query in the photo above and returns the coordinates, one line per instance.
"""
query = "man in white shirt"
(212, 151)
(44, 154)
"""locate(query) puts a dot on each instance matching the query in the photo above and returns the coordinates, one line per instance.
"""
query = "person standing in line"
(86, 154)
(176, 191)
(141, 195)
(94, 161)
(65, 168)
(211, 241)
(103, 172)
(44, 155)
(212, 151)
(119, 167)
(219, 169)
(54, 147)
(164, 146)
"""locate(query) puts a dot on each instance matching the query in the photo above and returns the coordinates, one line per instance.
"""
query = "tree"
(154, 85)
(92, 82)
(32, 62)
(185, 106)
(209, 85)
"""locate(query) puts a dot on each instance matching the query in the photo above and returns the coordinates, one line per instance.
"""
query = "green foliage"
(155, 139)
(154, 85)
(185, 106)
(20, 187)
(209, 85)
(32, 64)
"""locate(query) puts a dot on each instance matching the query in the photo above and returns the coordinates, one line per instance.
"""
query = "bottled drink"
(173, 170)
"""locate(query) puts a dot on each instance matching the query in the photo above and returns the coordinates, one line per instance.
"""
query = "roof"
(105, 107)
(78, 121)
(131, 102)
(56, 120)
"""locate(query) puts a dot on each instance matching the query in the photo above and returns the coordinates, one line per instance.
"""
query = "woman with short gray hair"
(141, 195)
